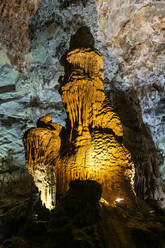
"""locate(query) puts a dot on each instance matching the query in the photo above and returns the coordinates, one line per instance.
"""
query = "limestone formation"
(42, 145)
(35, 34)
(90, 147)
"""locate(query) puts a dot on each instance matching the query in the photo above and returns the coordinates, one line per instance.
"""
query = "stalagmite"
(41, 148)
(91, 145)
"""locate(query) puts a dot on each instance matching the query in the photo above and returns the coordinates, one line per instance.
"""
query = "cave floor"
(24, 222)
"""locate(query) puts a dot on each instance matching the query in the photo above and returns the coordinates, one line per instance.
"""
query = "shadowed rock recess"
(90, 147)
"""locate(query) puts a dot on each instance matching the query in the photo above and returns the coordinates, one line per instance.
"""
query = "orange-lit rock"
(42, 146)
(91, 145)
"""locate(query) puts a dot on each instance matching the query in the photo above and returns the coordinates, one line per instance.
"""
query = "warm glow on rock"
(119, 200)
(87, 59)
(42, 146)
(91, 145)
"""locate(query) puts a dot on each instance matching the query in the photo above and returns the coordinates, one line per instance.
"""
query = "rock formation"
(91, 145)
(35, 34)
(136, 35)
(15, 16)
(42, 145)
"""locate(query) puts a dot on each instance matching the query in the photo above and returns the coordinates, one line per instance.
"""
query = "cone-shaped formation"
(91, 145)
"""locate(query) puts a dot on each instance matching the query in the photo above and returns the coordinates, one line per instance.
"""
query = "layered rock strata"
(91, 145)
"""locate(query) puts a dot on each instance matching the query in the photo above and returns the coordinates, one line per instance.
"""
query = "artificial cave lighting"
(90, 147)
(102, 200)
(119, 200)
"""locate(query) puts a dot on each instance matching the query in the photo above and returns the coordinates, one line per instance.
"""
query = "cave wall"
(31, 90)
(137, 38)
(35, 36)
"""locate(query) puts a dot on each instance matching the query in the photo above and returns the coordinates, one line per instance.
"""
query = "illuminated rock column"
(96, 151)
(90, 147)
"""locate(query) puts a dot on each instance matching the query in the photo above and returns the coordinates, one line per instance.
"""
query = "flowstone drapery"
(90, 147)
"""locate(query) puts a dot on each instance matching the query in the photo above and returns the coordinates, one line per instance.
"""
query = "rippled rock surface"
(90, 147)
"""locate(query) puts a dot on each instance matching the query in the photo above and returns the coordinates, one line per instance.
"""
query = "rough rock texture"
(138, 140)
(91, 145)
(135, 32)
(42, 146)
(79, 220)
(15, 16)
(26, 97)
(127, 33)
